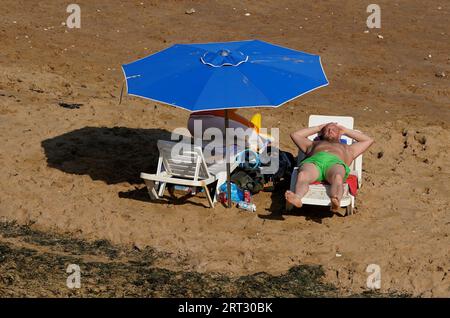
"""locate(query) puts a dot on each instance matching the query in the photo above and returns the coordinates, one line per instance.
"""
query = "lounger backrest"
(183, 160)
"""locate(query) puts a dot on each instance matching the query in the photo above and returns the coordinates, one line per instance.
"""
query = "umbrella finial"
(224, 53)
(224, 58)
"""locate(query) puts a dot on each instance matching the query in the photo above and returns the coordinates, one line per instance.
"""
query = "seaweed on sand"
(33, 264)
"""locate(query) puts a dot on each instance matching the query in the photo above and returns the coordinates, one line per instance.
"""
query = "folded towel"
(352, 182)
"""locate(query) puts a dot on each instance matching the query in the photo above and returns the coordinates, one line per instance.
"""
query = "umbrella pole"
(121, 93)
(227, 151)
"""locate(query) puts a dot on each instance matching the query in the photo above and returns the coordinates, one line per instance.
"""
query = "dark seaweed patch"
(39, 270)
(70, 105)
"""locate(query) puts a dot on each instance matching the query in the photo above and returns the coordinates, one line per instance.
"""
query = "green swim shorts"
(324, 161)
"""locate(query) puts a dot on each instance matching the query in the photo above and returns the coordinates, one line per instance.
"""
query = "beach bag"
(286, 165)
(251, 180)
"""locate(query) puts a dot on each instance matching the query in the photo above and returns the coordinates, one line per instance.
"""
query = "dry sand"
(76, 171)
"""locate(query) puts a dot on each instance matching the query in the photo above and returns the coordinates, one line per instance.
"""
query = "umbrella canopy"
(224, 75)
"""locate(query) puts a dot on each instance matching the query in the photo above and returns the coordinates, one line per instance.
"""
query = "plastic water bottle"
(251, 207)
(191, 190)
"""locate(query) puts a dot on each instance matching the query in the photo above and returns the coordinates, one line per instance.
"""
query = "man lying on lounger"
(327, 159)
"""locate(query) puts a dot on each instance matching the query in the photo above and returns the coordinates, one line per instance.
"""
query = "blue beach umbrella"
(226, 75)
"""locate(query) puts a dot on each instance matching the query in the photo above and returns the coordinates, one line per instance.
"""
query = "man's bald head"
(331, 132)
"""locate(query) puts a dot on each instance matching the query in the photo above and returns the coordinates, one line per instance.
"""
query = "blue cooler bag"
(236, 193)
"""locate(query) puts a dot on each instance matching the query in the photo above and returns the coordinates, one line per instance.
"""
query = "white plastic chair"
(318, 194)
(185, 166)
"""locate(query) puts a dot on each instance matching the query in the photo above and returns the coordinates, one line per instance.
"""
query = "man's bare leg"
(335, 177)
(308, 173)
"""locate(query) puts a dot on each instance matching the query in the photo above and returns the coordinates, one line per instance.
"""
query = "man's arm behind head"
(362, 144)
(300, 137)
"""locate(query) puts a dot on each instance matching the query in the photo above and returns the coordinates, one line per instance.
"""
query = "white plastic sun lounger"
(179, 166)
(318, 193)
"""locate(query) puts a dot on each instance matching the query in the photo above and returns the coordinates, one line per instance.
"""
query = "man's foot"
(293, 199)
(335, 205)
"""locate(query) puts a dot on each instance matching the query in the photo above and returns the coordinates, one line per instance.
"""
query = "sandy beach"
(74, 171)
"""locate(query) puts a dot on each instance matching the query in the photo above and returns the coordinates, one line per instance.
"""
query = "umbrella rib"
(296, 95)
(256, 87)
(212, 74)
(165, 77)
(203, 89)
(295, 73)
(287, 71)
(178, 71)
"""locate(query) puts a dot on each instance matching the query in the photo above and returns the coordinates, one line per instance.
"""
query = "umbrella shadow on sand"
(277, 208)
(112, 155)
(141, 194)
